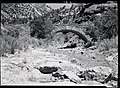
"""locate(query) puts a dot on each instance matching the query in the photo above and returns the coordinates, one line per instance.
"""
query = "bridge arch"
(75, 30)
(81, 36)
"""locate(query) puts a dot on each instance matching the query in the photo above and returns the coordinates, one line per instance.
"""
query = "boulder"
(72, 76)
(57, 64)
(109, 58)
(101, 70)
(36, 76)
(99, 73)
(47, 69)
(58, 76)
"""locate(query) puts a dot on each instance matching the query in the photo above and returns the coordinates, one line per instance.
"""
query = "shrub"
(103, 26)
(107, 44)
(25, 42)
(41, 27)
(107, 24)
(90, 30)
(9, 42)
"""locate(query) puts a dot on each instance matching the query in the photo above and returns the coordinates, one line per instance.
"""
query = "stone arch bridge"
(73, 29)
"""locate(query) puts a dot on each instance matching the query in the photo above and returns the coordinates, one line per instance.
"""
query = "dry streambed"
(57, 67)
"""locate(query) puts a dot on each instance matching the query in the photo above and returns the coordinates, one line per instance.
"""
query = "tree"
(41, 27)
(107, 24)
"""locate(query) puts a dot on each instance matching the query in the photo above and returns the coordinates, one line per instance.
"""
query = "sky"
(58, 5)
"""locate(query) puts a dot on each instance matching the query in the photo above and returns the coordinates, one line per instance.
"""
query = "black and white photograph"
(59, 44)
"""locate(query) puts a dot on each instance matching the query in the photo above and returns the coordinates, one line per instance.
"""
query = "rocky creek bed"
(52, 66)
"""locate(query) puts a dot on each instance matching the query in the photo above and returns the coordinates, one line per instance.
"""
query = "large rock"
(101, 69)
(72, 76)
(109, 58)
(60, 64)
(47, 69)
(99, 73)
(36, 76)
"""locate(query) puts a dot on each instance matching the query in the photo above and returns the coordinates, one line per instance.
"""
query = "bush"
(107, 24)
(12, 40)
(90, 30)
(41, 27)
(107, 44)
(8, 44)
(103, 26)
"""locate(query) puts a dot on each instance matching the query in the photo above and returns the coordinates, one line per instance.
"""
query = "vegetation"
(107, 44)
(41, 27)
(28, 24)
(107, 25)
